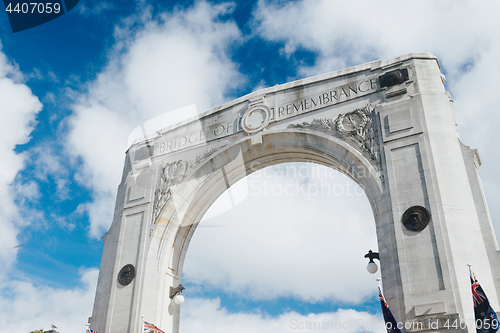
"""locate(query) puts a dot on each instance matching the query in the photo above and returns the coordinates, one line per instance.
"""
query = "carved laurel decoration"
(351, 123)
(173, 174)
(321, 124)
(356, 126)
(198, 159)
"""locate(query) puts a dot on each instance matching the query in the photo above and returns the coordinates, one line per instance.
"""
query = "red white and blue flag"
(486, 318)
(151, 328)
(390, 322)
(90, 331)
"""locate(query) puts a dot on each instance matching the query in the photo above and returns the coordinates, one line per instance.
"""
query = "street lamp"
(372, 266)
(176, 294)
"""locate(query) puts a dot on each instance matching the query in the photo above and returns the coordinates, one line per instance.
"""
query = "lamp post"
(176, 294)
(372, 266)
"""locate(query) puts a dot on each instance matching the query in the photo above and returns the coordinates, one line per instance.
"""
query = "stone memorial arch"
(388, 124)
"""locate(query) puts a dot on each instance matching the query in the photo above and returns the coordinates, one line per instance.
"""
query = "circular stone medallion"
(126, 275)
(416, 218)
(256, 119)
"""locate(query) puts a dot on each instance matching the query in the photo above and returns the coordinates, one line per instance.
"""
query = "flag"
(486, 318)
(151, 328)
(90, 331)
(390, 322)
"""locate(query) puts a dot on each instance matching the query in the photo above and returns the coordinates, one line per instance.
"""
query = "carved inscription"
(181, 141)
(356, 126)
(208, 131)
(329, 97)
(193, 138)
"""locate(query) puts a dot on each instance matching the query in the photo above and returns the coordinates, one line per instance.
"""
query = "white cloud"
(302, 231)
(462, 34)
(201, 315)
(26, 306)
(99, 211)
(347, 34)
(18, 111)
(477, 116)
(172, 61)
(48, 162)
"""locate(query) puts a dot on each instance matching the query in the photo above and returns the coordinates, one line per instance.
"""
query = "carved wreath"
(356, 119)
(357, 126)
(173, 174)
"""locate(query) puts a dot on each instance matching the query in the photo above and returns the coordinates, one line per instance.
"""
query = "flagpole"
(391, 325)
(483, 312)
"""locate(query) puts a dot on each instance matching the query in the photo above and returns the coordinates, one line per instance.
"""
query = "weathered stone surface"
(398, 142)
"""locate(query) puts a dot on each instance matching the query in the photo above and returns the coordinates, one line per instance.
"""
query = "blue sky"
(72, 90)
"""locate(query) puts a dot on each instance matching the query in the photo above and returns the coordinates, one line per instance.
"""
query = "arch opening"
(238, 161)
(193, 197)
(303, 248)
